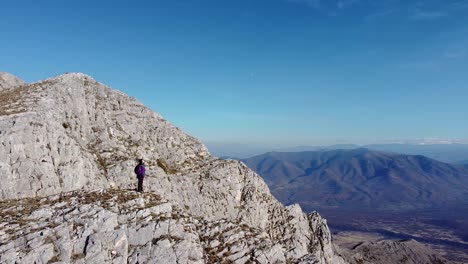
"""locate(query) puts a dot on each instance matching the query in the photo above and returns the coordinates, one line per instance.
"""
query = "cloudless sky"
(284, 72)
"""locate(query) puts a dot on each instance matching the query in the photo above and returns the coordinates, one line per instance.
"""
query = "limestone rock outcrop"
(68, 146)
(8, 80)
(120, 226)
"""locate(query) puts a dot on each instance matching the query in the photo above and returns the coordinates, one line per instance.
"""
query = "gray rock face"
(119, 226)
(8, 80)
(73, 134)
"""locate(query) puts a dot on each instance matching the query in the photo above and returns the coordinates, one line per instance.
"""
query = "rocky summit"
(68, 148)
(9, 80)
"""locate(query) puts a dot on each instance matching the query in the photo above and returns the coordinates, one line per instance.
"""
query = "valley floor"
(444, 232)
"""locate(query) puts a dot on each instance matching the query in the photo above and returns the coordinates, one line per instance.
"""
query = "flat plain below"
(445, 232)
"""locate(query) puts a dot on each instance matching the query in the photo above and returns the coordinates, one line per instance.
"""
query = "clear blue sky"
(283, 72)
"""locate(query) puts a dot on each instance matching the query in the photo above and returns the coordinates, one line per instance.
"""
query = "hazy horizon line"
(426, 141)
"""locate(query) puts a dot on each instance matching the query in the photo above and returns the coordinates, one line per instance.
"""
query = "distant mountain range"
(361, 179)
(450, 153)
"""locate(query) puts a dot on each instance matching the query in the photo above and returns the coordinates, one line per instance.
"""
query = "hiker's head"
(140, 161)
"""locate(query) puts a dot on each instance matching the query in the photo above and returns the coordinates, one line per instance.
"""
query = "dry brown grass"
(88, 82)
(77, 256)
(165, 237)
(54, 259)
(167, 169)
(9, 97)
(15, 100)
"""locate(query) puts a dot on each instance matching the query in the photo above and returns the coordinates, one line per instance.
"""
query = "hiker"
(140, 173)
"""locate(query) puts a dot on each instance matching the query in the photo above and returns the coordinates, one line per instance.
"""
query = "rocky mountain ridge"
(116, 226)
(70, 133)
(9, 80)
(68, 146)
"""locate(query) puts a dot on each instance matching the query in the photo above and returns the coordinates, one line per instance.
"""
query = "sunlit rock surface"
(68, 149)
(8, 80)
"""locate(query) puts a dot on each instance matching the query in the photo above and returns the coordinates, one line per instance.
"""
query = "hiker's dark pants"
(140, 184)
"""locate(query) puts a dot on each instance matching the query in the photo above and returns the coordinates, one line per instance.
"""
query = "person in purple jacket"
(140, 173)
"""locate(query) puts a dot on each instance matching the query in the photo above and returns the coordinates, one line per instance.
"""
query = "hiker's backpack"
(140, 170)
